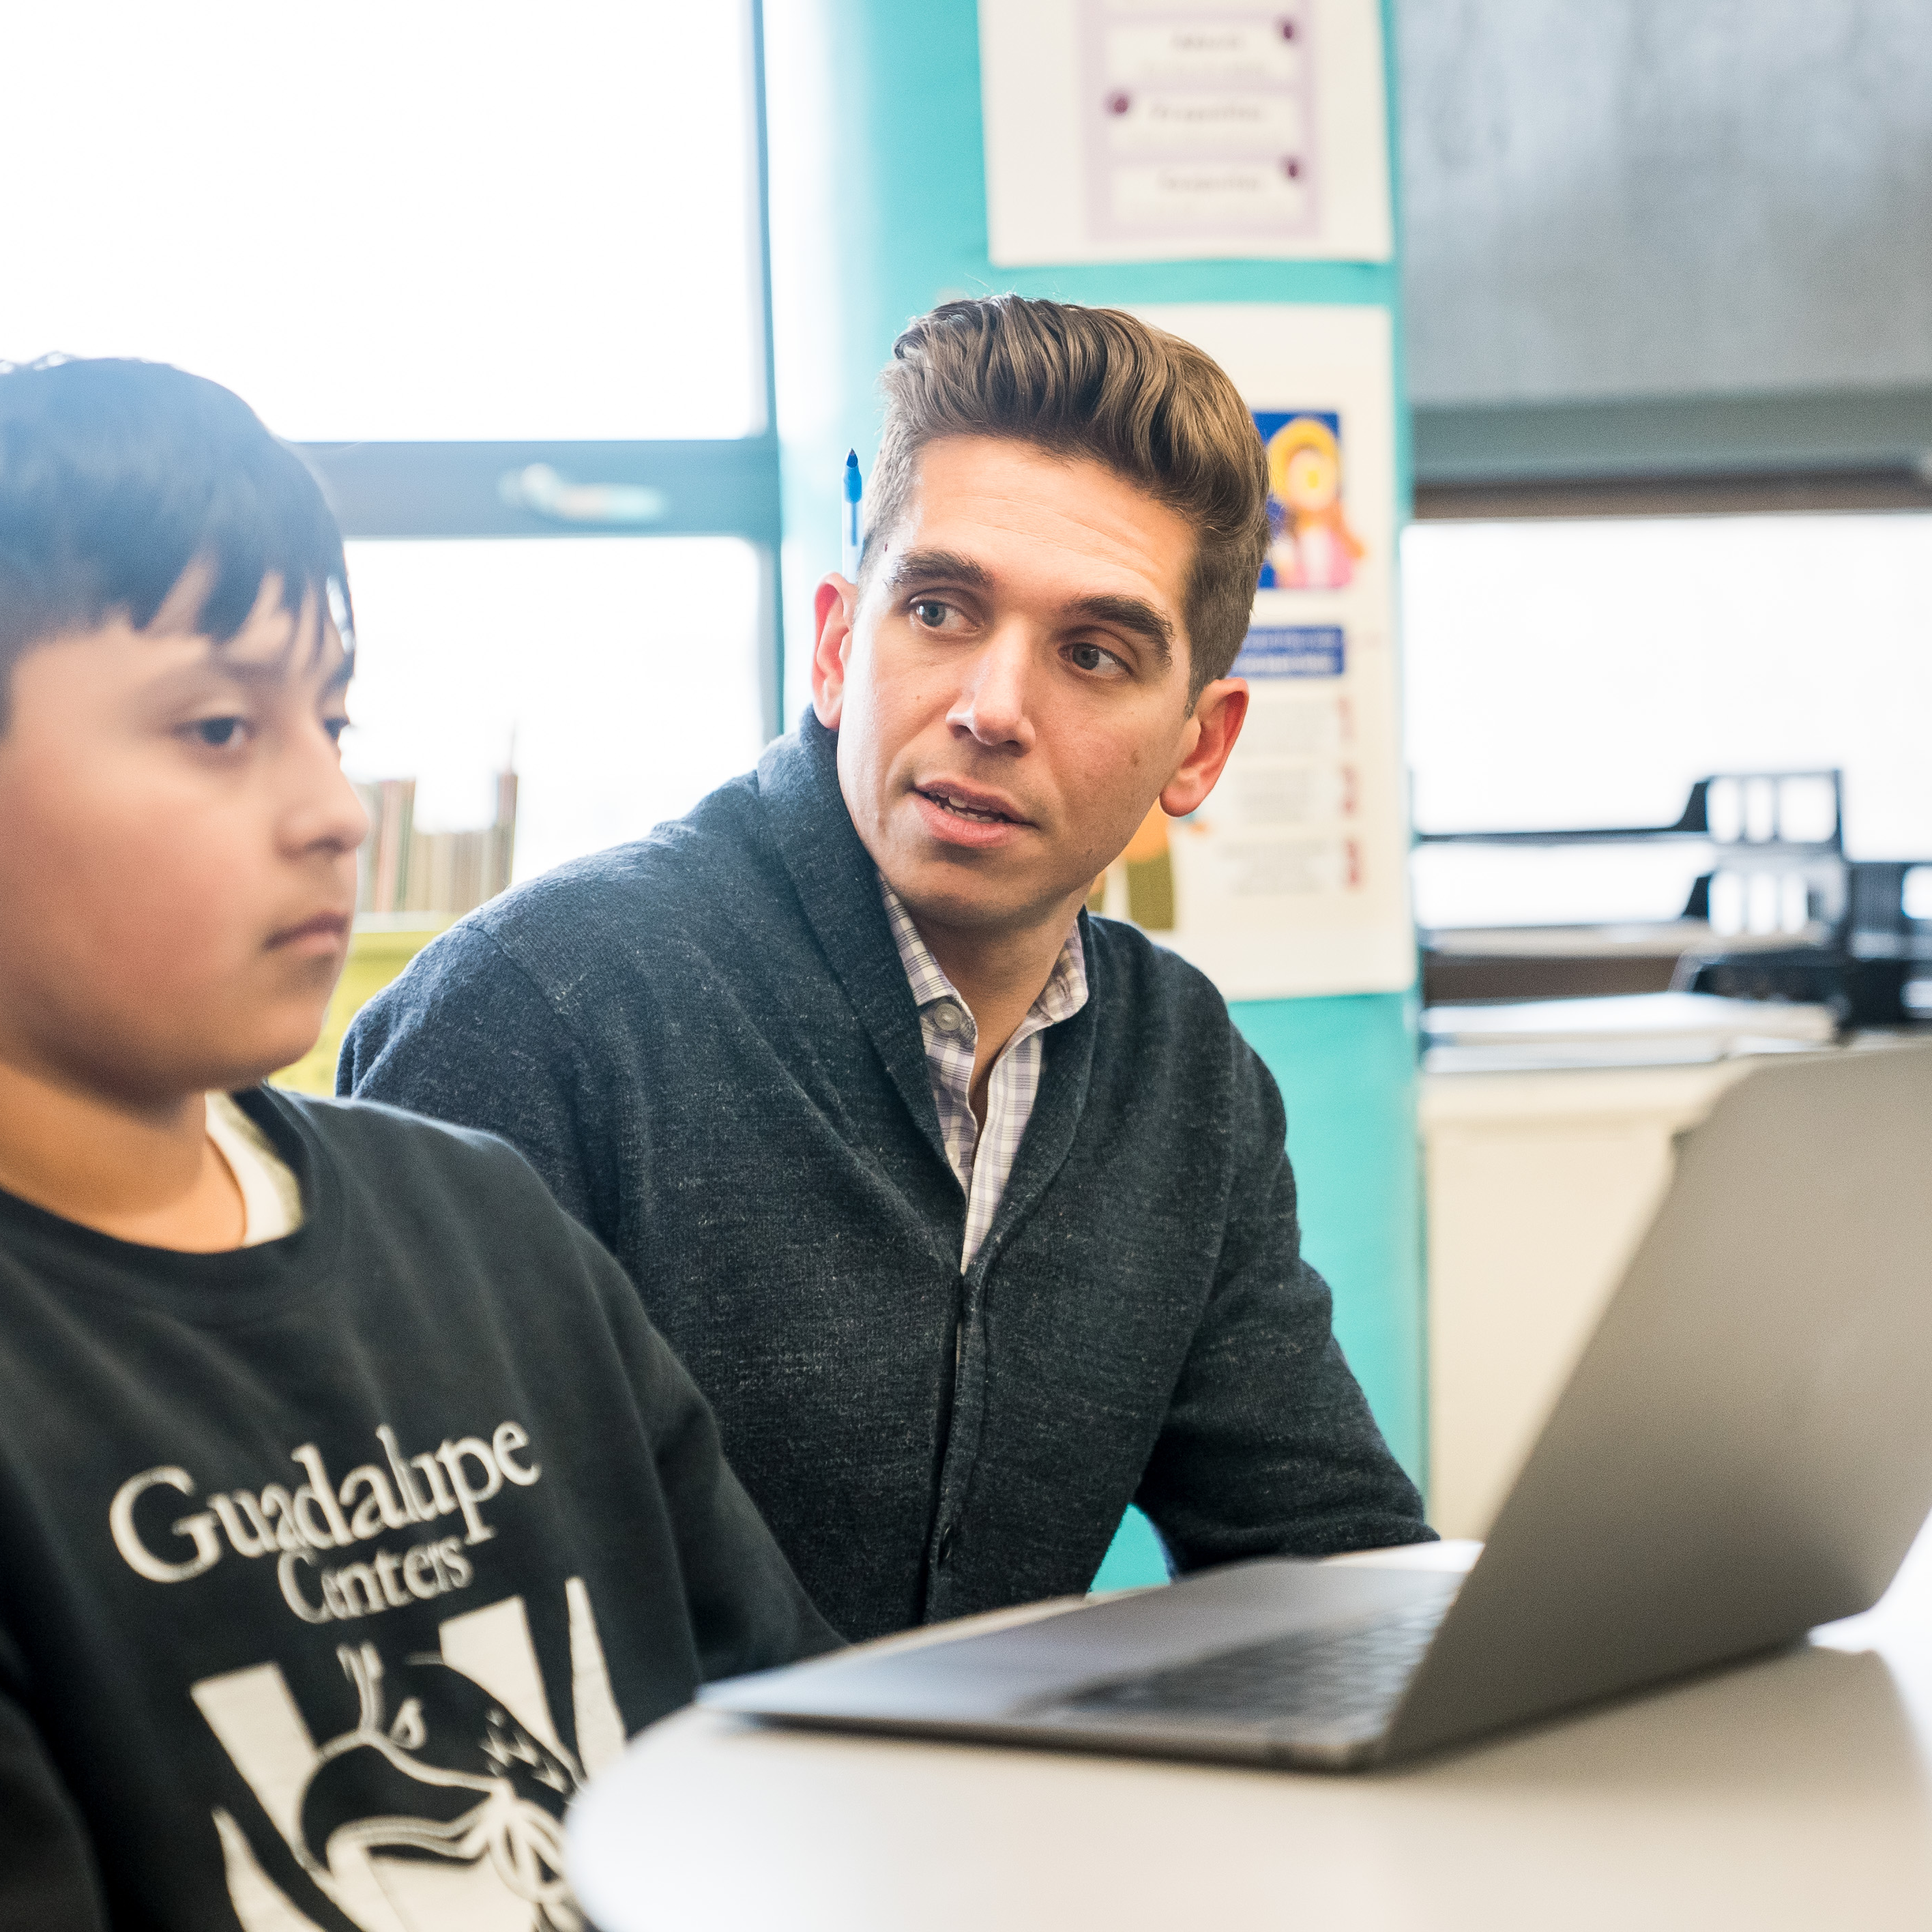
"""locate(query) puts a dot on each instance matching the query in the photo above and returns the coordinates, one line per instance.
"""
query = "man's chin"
(976, 899)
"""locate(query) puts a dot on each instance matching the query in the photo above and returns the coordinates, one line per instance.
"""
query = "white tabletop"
(1790, 1793)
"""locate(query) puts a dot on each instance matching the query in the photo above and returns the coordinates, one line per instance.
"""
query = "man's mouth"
(976, 808)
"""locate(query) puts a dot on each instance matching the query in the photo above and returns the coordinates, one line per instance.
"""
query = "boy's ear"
(834, 606)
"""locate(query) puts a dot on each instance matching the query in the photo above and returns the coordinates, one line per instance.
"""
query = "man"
(970, 1213)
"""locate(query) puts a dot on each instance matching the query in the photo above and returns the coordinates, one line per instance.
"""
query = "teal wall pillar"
(878, 211)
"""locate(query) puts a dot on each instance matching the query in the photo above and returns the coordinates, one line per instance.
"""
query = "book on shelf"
(405, 868)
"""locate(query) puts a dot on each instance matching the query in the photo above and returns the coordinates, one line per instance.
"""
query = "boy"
(351, 1512)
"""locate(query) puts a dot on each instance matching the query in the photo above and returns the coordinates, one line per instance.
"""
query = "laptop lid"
(1745, 1448)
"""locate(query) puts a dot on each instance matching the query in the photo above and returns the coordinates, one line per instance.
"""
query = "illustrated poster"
(1292, 877)
(1133, 130)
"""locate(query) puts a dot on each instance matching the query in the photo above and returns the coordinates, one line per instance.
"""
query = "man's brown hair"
(1097, 383)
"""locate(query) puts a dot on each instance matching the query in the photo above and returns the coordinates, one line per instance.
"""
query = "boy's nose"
(330, 816)
(351, 817)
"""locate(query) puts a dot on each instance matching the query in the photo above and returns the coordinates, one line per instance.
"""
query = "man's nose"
(993, 704)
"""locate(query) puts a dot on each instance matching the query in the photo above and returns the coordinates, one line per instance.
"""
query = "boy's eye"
(335, 727)
(216, 732)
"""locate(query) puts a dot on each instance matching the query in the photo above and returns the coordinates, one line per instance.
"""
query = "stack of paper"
(1631, 1030)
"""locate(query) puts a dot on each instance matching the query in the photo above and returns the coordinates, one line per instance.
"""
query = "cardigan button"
(945, 1543)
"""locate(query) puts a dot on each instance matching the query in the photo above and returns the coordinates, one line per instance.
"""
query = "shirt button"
(947, 1018)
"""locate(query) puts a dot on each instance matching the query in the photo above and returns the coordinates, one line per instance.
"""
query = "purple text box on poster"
(1292, 650)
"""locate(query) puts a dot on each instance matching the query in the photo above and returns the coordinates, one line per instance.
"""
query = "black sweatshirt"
(707, 1045)
(329, 1568)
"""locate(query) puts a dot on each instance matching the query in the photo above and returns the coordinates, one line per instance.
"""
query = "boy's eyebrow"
(275, 670)
(257, 672)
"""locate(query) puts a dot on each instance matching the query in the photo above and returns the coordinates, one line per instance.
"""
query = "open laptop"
(1743, 1451)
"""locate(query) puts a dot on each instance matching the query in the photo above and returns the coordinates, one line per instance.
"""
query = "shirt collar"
(1063, 996)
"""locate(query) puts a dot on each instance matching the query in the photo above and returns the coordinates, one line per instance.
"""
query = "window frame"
(723, 486)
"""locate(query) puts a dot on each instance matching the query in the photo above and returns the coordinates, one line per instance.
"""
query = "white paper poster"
(1137, 130)
(1292, 877)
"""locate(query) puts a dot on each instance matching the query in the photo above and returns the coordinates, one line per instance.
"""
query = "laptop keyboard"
(1344, 1678)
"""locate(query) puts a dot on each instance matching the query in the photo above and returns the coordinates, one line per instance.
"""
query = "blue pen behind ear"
(850, 546)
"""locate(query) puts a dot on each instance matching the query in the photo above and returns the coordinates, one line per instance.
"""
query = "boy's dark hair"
(1098, 383)
(116, 476)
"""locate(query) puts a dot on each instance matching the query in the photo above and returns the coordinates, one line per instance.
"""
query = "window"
(500, 269)
(619, 680)
(1571, 673)
(425, 223)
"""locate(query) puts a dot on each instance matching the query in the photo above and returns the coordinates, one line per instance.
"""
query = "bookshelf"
(407, 869)
(412, 884)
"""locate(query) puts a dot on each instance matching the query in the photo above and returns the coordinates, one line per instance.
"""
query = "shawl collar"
(838, 885)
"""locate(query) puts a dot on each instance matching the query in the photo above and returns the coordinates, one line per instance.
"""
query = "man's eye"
(1091, 657)
(930, 612)
(216, 732)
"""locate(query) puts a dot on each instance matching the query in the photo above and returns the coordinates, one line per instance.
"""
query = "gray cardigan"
(705, 1043)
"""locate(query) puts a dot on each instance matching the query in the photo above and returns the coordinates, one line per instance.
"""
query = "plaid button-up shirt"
(982, 1158)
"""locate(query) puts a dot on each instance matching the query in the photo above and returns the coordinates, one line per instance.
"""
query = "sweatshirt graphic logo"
(440, 1808)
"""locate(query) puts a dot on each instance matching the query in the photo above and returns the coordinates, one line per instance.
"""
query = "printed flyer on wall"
(1135, 131)
(1292, 877)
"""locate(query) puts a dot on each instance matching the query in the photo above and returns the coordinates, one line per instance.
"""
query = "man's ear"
(1218, 713)
(834, 606)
